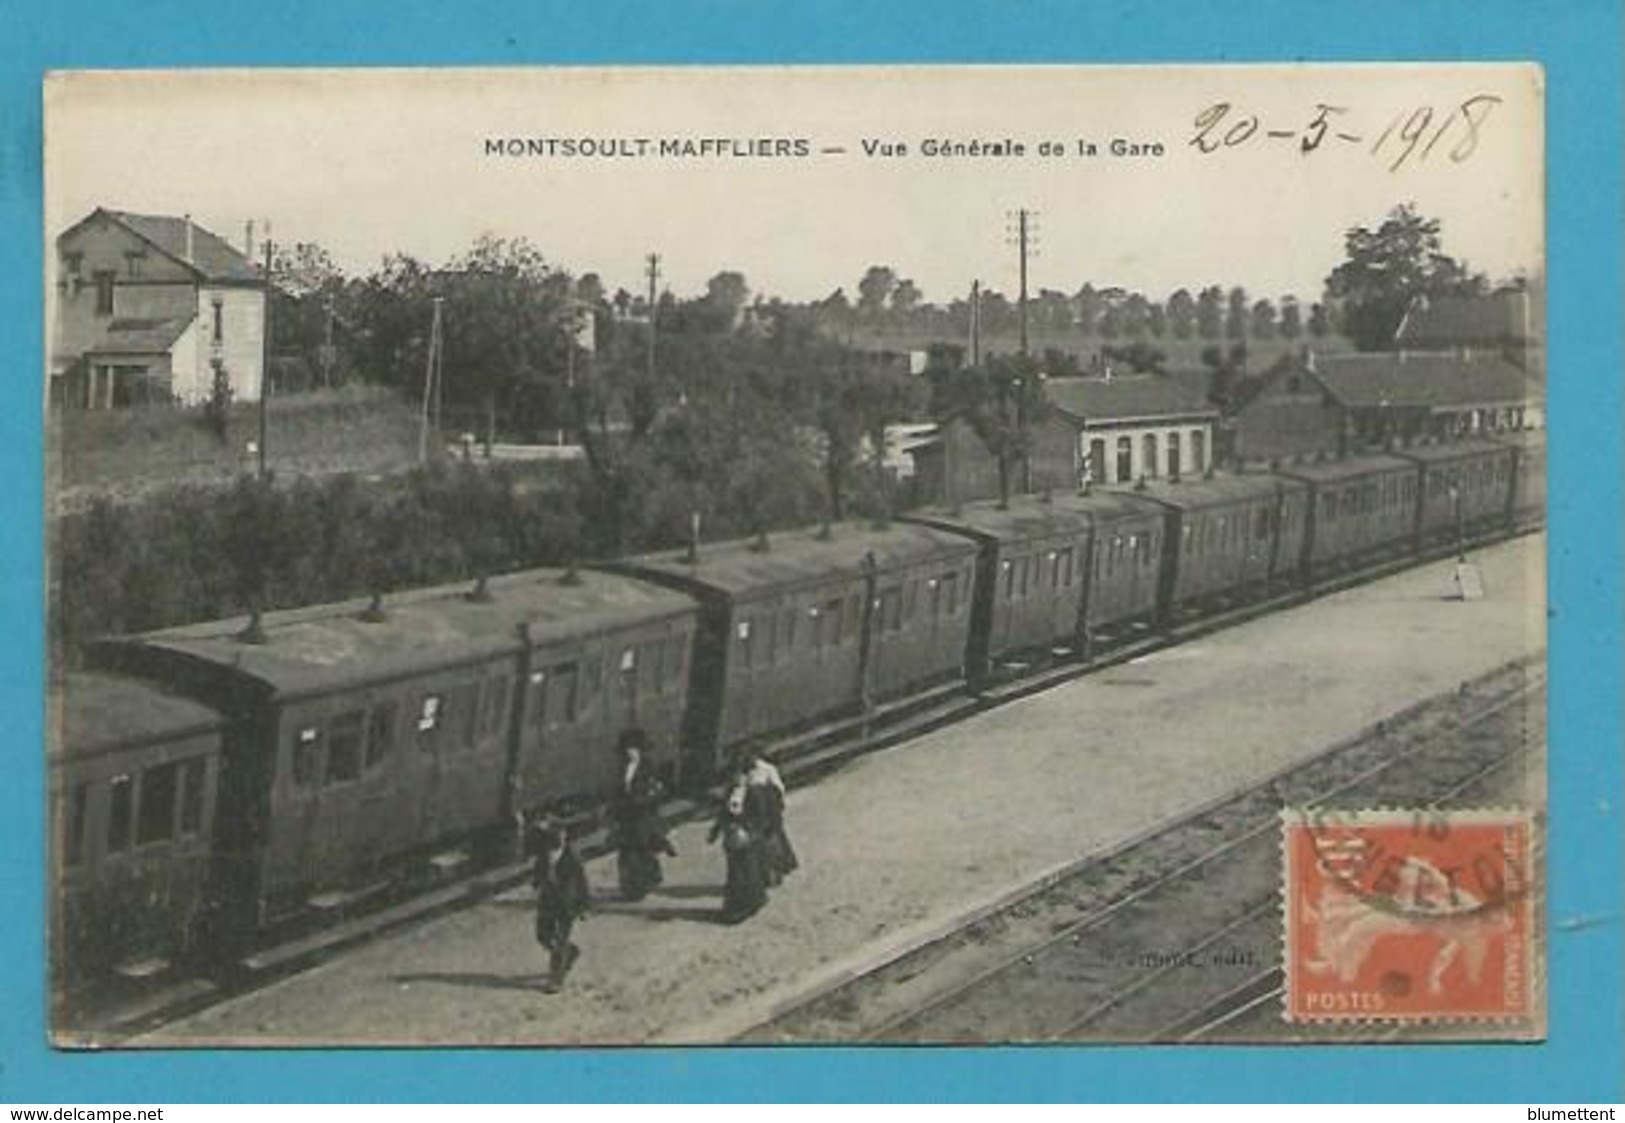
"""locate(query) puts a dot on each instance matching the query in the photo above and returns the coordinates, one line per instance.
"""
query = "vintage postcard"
(777, 555)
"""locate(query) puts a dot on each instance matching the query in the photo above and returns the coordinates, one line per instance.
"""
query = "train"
(215, 783)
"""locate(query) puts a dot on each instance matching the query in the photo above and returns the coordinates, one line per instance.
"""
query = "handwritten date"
(1412, 134)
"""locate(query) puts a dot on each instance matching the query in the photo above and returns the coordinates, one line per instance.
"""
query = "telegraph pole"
(976, 323)
(431, 386)
(654, 278)
(265, 357)
(1024, 239)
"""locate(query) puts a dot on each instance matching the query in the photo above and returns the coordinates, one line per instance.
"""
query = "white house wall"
(184, 361)
(241, 340)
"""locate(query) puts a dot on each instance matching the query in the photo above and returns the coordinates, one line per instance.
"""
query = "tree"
(1387, 269)
(1320, 323)
(1235, 320)
(905, 298)
(1291, 318)
(1182, 314)
(1263, 325)
(726, 295)
(1210, 312)
(1089, 307)
(1000, 400)
(1139, 357)
(874, 290)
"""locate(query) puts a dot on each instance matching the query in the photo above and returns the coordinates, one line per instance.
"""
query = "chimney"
(190, 247)
(248, 239)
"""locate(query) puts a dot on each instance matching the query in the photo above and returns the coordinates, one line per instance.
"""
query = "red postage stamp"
(1408, 915)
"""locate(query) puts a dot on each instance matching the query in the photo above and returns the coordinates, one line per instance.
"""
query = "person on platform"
(561, 900)
(635, 810)
(745, 891)
(764, 813)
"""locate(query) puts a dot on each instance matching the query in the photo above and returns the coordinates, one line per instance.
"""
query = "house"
(1400, 397)
(1104, 429)
(1290, 413)
(1339, 404)
(1119, 428)
(146, 306)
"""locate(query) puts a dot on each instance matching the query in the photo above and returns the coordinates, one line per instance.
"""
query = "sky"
(369, 162)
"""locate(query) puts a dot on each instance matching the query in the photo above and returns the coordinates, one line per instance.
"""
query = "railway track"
(1176, 936)
(805, 757)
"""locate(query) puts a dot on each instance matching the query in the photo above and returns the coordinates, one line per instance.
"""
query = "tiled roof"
(139, 337)
(1125, 398)
(211, 255)
(1466, 321)
(1423, 381)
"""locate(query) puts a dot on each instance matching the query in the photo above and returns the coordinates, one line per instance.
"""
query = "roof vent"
(760, 544)
(481, 592)
(1141, 484)
(571, 575)
(374, 612)
(826, 531)
(255, 631)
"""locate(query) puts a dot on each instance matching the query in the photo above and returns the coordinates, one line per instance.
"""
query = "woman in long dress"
(764, 811)
(745, 891)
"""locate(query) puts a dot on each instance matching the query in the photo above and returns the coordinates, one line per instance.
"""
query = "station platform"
(905, 843)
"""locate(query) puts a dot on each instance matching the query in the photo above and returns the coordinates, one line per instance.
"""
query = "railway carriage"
(1466, 489)
(1123, 576)
(1230, 536)
(132, 783)
(367, 738)
(1529, 478)
(1029, 577)
(1357, 509)
(813, 624)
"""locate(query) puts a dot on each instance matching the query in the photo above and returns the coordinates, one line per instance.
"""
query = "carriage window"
(344, 747)
(121, 793)
(192, 795)
(1198, 451)
(1125, 459)
(306, 749)
(159, 786)
(787, 634)
(1026, 567)
(1009, 580)
(496, 706)
(592, 676)
(380, 733)
(830, 629)
(429, 712)
(891, 610)
(950, 593)
(1261, 528)
(770, 638)
(73, 850)
(538, 697)
(561, 706)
